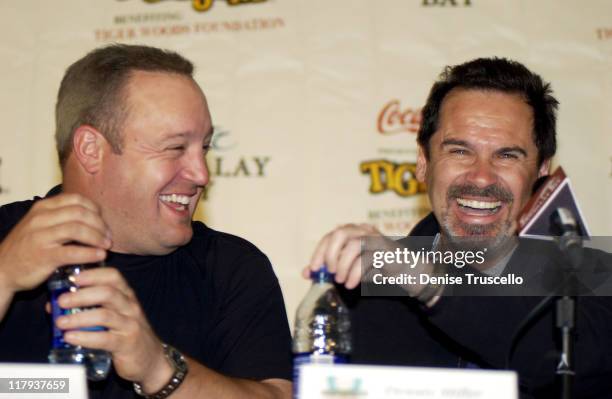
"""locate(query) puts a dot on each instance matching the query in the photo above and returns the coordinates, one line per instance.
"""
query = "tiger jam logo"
(205, 5)
(386, 175)
(397, 177)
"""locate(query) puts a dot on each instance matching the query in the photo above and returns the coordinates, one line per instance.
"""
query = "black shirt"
(215, 299)
(461, 330)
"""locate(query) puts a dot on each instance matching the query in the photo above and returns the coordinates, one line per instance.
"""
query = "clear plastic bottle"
(322, 331)
(97, 362)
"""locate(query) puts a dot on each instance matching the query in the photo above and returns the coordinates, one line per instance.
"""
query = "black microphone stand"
(566, 313)
(565, 321)
(569, 240)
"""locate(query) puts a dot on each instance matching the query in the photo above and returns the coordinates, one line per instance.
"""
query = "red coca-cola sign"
(392, 119)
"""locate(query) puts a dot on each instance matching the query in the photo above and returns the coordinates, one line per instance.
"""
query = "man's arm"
(40, 243)
(202, 382)
(6, 296)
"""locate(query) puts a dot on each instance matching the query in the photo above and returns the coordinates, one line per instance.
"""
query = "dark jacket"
(467, 331)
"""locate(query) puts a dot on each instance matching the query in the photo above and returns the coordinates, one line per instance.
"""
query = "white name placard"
(388, 382)
(39, 380)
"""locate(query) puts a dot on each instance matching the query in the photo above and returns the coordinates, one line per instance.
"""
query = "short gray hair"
(91, 92)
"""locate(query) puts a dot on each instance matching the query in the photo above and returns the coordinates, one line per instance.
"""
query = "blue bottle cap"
(322, 274)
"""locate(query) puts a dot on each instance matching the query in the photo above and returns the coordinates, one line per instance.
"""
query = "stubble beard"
(493, 236)
(494, 240)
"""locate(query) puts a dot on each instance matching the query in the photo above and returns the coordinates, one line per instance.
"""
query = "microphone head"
(562, 221)
(563, 225)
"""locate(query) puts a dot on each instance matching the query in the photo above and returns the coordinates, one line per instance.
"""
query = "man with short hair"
(133, 129)
(488, 134)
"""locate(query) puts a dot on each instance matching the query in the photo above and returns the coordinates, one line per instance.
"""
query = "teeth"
(178, 199)
(478, 204)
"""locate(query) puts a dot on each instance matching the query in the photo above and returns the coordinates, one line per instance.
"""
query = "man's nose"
(482, 173)
(196, 169)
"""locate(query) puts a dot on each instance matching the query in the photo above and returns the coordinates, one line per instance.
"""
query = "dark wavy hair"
(496, 74)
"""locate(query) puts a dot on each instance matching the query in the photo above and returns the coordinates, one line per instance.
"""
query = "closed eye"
(514, 152)
(509, 155)
(458, 151)
(455, 147)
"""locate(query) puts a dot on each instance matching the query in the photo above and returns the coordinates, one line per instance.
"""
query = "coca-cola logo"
(392, 119)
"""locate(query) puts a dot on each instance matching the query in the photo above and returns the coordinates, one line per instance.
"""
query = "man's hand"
(41, 241)
(341, 251)
(137, 352)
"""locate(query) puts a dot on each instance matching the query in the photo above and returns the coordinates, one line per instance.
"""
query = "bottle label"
(57, 287)
(300, 359)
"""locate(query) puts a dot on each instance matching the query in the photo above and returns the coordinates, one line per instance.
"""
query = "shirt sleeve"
(11, 214)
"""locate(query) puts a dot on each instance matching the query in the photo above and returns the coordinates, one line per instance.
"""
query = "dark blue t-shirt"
(215, 299)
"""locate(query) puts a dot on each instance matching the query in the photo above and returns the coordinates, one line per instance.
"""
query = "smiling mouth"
(480, 207)
(178, 202)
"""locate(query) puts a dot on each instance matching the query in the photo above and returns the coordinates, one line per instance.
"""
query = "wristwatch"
(178, 363)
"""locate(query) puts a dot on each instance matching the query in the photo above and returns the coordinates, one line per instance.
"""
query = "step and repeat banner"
(315, 103)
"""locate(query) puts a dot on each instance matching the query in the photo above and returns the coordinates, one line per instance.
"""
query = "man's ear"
(421, 165)
(88, 147)
(544, 168)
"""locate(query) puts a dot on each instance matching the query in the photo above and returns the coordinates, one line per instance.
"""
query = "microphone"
(553, 210)
(565, 228)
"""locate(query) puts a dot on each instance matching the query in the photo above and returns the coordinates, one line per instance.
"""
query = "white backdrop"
(313, 101)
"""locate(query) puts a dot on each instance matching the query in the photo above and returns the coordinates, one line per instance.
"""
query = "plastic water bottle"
(97, 362)
(322, 331)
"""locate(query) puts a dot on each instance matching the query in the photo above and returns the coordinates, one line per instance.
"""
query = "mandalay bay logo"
(205, 5)
(226, 161)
